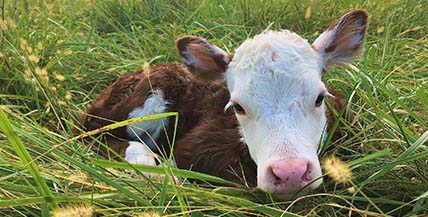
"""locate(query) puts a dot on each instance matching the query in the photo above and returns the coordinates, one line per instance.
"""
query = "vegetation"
(57, 55)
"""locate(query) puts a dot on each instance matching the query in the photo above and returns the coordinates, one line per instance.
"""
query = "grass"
(56, 56)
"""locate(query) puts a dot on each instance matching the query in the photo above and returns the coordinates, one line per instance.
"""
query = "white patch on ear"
(138, 153)
(188, 58)
(148, 131)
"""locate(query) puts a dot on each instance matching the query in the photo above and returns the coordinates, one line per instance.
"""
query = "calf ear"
(343, 40)
(203, 59)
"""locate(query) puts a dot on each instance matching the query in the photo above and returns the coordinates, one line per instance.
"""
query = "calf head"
(276, 91)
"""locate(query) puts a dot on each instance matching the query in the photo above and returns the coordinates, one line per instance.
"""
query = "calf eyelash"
(228, 105)
(329, 95)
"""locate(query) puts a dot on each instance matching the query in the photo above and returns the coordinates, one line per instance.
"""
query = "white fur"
(322, 42)
(276, 78)
(138, 153)
(148, 131)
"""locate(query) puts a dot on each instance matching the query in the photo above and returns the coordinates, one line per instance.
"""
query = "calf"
(255, 117)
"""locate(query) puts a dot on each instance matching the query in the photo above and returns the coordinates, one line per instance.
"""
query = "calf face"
(277, 94)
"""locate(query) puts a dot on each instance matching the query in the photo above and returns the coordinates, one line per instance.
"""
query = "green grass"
(85, 45)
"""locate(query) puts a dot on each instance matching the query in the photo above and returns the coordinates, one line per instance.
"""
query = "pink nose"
(290, 175)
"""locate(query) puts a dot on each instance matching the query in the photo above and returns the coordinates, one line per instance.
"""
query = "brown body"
(208, 138)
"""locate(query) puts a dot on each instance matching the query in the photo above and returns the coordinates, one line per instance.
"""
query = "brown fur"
(208, 140)
(338, 103)
(210, 66)
(352, 24)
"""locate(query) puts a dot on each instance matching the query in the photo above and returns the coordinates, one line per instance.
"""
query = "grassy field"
(56, 56)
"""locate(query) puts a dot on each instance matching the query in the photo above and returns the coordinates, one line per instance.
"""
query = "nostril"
(276, 179)
(307, 176)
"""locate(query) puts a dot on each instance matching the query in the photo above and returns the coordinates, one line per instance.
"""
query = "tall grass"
(56, 56)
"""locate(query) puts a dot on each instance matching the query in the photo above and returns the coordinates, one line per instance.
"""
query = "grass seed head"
(68, 96)
(146, 68)
(68, 52)
(43, 75)
(351, 190)
(29, 49)
(34, 58)
(74, 211)
(27, 76)
(149, 214)
(11, 23)
(62, 103)
(338, 170)
(59, 77)
(3, 25)
(23, 44)
(308, 13)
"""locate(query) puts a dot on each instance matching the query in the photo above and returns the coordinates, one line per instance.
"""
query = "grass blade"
(92, 171)
(160, 170)
(406, 154)
(26, 158)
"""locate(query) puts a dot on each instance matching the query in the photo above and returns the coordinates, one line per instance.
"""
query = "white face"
(274, 81)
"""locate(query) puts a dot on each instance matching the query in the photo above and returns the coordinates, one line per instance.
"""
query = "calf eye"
(238, 109)
(319, 100)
